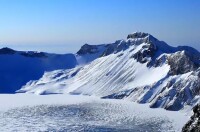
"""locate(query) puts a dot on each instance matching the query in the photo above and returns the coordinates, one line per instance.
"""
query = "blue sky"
(62, 26)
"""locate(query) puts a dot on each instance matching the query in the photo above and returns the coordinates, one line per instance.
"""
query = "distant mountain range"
(140, 68)
(19, 67)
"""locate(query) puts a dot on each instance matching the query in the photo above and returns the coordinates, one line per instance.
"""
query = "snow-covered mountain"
(19, 67)
(140, 68)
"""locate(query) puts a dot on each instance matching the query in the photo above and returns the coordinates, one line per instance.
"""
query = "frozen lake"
(25, 112)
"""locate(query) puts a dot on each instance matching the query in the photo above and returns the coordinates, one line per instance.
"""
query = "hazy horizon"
(64, 26)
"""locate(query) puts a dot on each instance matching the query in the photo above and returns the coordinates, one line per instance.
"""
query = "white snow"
(29, 112)
(101, 77)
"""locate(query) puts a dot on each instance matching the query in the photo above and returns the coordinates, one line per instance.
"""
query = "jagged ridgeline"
(140, 68)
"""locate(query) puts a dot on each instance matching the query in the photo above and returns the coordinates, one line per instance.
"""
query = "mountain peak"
(137, 35)
(86, 48)
(6, 50)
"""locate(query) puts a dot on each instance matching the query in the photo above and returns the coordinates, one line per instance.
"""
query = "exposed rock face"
(181, 63)
(146, 53)
(194, 124)
(137, 35)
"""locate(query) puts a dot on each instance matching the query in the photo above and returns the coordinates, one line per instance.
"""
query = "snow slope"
(18, 67)
(116, 73)
(141, 69)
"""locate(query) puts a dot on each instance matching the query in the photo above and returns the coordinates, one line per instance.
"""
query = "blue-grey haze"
(62, 26)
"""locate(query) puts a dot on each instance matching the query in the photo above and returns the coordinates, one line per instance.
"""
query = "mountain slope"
(18, 67)
(141, 69)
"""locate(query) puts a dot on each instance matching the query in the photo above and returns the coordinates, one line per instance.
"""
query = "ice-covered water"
(94, 115)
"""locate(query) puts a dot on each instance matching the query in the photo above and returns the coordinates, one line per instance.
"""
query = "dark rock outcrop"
(148, 51)
(137, 35)
(193, 125)
(181, 63)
